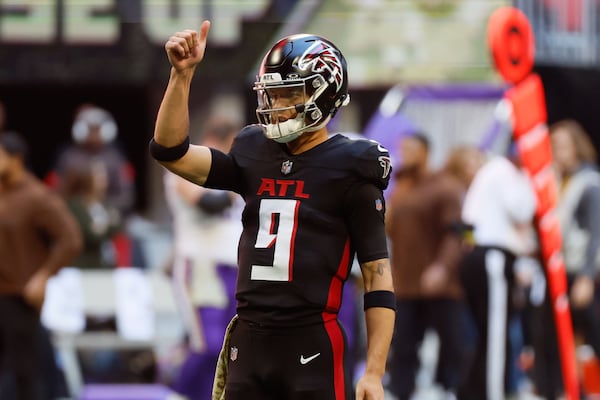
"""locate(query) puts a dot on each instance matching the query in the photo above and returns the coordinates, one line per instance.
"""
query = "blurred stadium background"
(58, 54)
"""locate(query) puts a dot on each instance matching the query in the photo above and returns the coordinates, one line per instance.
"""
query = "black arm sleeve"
(224, 173)
(364, 207)
(162, 153)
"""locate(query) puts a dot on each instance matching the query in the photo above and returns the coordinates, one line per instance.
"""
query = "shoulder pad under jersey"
(372, 162)
(248, 138)
(249, 132)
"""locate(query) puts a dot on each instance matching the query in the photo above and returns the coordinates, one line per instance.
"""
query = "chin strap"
(291, 129)
(286, 131)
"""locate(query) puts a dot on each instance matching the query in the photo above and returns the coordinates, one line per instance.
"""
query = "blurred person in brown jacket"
(424, 228)
(38, 236)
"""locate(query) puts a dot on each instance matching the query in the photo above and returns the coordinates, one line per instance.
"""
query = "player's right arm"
(185, 51)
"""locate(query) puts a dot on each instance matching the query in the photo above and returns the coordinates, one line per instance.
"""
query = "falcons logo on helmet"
(320, 57)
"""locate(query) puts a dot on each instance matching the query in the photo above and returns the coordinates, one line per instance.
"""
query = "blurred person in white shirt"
(500, 205)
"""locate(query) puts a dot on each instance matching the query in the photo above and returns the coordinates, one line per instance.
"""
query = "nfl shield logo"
(286, 167)
(233, 353)
(378, 205)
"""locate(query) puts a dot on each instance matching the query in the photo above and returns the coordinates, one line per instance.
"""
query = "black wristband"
(162, 153)
(380, 298)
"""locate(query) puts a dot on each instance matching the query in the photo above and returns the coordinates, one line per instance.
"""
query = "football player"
(311, 202)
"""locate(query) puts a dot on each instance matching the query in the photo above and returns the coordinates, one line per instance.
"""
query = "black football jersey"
(305, 218)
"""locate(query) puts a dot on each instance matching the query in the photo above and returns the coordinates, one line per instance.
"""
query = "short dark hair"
(14, 144)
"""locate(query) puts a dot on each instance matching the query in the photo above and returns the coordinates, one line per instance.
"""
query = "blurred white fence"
(142, 302)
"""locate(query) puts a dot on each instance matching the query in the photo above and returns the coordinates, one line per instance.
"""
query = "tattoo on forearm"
(377, 267)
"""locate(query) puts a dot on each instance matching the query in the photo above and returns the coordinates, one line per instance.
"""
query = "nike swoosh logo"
(308, 359)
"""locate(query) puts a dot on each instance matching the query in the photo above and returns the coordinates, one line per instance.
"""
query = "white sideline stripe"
(496, 342)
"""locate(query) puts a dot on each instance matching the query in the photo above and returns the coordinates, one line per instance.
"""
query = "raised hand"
(185, 49)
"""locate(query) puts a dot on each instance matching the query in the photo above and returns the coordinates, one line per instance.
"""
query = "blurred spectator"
(424, 229)
(38, 236)
(94, 134)
(578, 211)
(500, 205)
(463, 162)
(207, 226)
(84, 186)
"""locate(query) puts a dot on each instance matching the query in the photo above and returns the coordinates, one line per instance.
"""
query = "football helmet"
(310, 73)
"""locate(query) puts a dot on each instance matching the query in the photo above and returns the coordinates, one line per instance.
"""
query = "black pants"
(488, 281)
(546, 374)
(413, 316)
(22, 346)
(303, 363)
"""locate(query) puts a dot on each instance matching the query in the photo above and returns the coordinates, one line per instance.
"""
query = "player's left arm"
(365, 208)
(379, 317)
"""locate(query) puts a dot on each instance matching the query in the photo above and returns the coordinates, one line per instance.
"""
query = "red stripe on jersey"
(334, 331)
(334, 300)
(336, 338)
(293, 242)
(272, 230)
